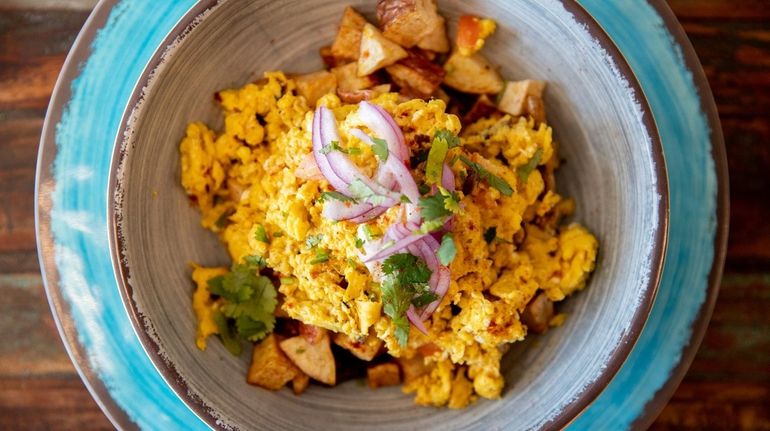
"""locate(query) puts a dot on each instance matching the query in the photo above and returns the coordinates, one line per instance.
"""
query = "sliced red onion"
(384, 126)
(395, 248)
(320, 158)
(354, 212)
(413, 317)
(448, 178)
(442, 286)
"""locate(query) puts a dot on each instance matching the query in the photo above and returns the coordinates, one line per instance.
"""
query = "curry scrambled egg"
(509, 248)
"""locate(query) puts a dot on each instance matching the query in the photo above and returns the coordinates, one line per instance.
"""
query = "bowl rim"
(167, 369)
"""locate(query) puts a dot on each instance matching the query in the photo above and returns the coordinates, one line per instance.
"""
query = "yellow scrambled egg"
(244, 177)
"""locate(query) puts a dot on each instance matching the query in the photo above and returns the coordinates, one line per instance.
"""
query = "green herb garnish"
(227, 335)
(313, 240)
(336, 196)
(380, 149)
(447, 250)
(321, 256)
(491, 179)
(261, 235)
(404, 283)
(443, 140)
(523, 171)
(363, 192)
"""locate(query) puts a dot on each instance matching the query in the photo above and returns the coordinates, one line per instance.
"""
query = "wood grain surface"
(727, 387)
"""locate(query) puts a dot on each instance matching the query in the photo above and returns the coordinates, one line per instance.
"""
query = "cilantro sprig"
(443, 140)
(490, 178)
(249, 301)
(437, 208)
(404, 283)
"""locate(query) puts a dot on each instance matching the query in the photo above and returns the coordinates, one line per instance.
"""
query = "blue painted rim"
(76, 147)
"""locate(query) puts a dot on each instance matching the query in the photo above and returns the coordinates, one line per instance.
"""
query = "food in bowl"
(398, 210)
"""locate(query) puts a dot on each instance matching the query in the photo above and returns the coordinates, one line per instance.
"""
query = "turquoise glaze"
(86, 132)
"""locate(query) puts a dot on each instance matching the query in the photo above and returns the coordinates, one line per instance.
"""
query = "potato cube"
(407, 21)
(516, 93)
(315, 360)
(348, 38)
(436, 40)
(377, 51)
(314, 85)
(416, 76)
(538, 313)
(369, 312)
(270, 368)
(365, 350)
(412, 368)
(472, 74)
(300, 383)
(385, 374)
(348, 79)
(355, 97)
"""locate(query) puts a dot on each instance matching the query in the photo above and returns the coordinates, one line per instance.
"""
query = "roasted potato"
(346, 44)
(270, 368)
(385, 374)
(483, 107)
(472, 74)
(348, 79)
(359, 95)
(300, 383)
(377, 51)
(328, 58)
(314, 359)
(416, 76)
(365, 350)
(314, 85)
(538, 313)
(523, 98)
(407, 21)
(436, 40)
(412, 368)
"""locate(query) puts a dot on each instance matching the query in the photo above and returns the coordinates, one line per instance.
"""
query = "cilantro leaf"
(405, 200)
(524, 170)
(336, 196)
(353, 151)
(359, 242)
(333, 146)
(380, 149)
(261, 235)
(439, 205)
(451, 139)
(490, 234)
(431, 225)
(491, 179)
(404, 284)
(435, 166)
(362, 192)
(225, 332)
(255, 261)
(447, 250)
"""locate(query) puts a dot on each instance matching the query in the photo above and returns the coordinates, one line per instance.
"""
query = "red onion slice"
(357, 213)
(320, 158)
(448, 178)
(398, 246)
(383, 125)
(442, 286)
(413, 317)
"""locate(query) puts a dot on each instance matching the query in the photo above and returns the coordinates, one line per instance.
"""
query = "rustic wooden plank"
(721, 9)
(48, 404)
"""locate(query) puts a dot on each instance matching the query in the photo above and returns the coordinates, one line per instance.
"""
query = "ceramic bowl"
(614, 169)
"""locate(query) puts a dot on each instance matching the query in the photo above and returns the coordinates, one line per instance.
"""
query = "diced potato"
(472, 74)
(472, 32)
(270, 368)
(385, 374)
(314, 85)
(348, 79)
(412, 368)
(359, 95)
(377, 51)
(315, 360)
(348, 38)
(538, 313)
(365, 350)
(416, 75)
(521, 98)
(300, 383)
(407, 21)
(462, 391)
(328, 58)
(312, 334)
(436, 40)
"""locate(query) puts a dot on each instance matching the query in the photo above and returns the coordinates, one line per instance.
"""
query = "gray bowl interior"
(611, 171)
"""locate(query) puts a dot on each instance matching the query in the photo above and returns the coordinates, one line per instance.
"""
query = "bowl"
(615, 170)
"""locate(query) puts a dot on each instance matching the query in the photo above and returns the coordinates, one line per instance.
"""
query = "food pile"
(394, 216)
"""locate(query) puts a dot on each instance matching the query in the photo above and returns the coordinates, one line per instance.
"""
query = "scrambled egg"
(244, 178)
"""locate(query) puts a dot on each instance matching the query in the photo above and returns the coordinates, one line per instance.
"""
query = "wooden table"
(727, 387)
